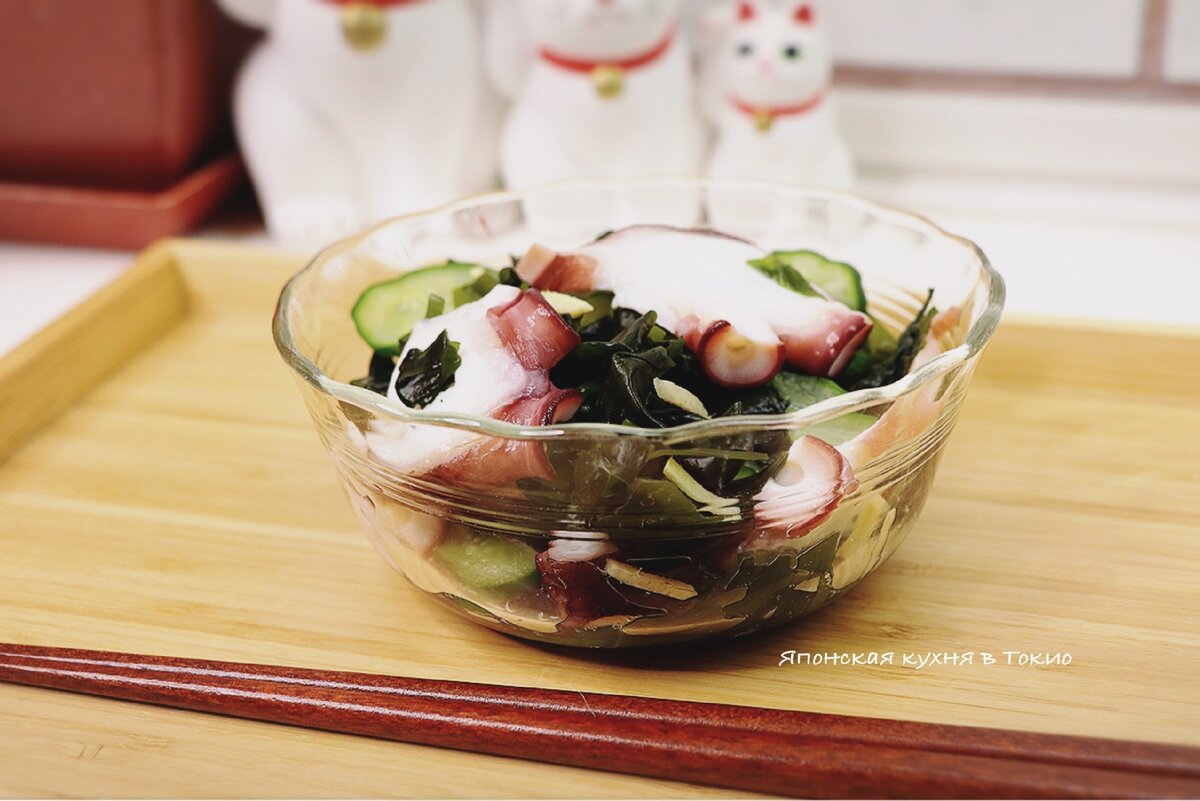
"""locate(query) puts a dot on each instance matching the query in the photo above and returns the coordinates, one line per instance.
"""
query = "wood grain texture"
(185, 506)
(738, 747)
(45, 374)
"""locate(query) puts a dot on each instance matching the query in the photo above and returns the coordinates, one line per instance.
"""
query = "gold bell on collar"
(608, 80)
(364, 25)
(763, 120)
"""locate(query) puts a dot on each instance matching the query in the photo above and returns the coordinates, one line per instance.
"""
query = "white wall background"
(1095, 38)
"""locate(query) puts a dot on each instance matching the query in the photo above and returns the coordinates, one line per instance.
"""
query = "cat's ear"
(803, 15)
(746, 11)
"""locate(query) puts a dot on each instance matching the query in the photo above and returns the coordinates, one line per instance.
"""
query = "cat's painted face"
(597, 29)
(774, 54)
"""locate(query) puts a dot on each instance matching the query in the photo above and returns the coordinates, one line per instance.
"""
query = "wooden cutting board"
(185, 507)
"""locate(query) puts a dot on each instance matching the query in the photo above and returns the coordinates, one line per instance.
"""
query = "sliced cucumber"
(490, 562)
(386, 312)
(841, 281)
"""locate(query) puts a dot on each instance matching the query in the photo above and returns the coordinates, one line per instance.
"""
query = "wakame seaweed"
(424, 374)
(869, 369)
(379, 373)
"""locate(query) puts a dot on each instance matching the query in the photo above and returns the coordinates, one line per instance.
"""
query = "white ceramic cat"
(766, 90)
(338, 136)
(607, 92)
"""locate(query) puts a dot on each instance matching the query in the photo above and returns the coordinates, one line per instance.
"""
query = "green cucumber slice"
(386, 312)
(841, 281)
(490, 562)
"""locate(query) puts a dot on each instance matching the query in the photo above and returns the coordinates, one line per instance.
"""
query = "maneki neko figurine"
(351, 112)
(600, 88)
(766, 82)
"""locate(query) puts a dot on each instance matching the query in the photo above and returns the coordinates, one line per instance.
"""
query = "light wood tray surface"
(184, 506)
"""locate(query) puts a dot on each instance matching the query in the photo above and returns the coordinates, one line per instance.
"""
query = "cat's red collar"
(630, 63)
(763, 116)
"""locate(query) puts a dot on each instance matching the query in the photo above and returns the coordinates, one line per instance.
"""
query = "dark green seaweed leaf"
(631, 389)
(870, 368)
(799, 391)
(615, 365)
(756, 400)
(660, 502)
(436, 305)
(508, 276)
(424, 374)
(379, 374)
(784, 274)
(772, 586)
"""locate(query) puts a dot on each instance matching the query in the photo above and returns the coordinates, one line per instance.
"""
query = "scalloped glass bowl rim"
(977, 337)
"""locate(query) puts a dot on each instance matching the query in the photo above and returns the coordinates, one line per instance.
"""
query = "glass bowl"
(660, 569)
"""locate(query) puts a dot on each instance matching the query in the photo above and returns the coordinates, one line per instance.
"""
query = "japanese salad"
(645, 328)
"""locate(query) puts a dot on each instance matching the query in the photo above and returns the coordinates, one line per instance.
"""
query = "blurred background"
(1062, 135)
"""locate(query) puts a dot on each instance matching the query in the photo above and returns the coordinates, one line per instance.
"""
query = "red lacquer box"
(114, 118)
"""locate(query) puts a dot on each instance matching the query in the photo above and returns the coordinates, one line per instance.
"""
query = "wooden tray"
(185, 507)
